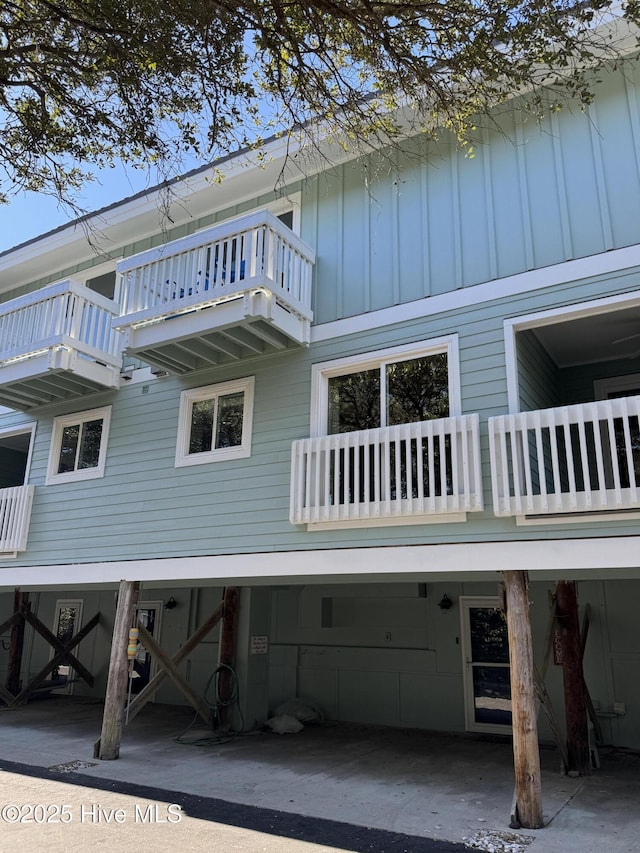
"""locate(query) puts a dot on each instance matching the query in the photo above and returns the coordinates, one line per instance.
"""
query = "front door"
(487, 684)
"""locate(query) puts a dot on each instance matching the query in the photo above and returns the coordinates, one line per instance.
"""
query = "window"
(215, 422)
(396, 392)
(387, 443)
(15, 455)
(79, 446)
(400, 385)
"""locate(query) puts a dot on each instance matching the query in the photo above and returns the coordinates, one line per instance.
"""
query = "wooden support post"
(573, 678)
(526, 755)
(108, 747)
(14, 663)
(227, 656)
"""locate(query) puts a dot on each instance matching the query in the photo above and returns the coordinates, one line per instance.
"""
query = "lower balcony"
(582, 458)
(15, 515)
(406, 474)
(236, 290)
(55, 344)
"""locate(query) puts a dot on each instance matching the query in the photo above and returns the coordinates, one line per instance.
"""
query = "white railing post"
(333, 478)
(222, 263)
(15, 515)
(65, 314)
(606, 450)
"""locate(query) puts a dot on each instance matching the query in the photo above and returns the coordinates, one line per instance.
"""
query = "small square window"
(215, 423)
(79, 446)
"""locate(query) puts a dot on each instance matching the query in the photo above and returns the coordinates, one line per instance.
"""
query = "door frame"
(78, 603)
(158, 606)
(466, 603)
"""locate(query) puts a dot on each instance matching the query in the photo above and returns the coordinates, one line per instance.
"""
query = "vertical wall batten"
(561, 182)
(456, 218)
(427, 284)
(603, 206)
(489, 205)
(525, 205)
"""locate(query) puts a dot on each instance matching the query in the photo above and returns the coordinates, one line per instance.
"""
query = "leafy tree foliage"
(89, 82)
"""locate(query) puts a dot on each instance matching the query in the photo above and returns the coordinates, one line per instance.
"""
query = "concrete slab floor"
(432, 785)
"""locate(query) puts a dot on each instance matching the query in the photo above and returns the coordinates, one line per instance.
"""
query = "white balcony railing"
(412, 471)
(579, 458)
(15, 515)
(216, 265)
(66, 315)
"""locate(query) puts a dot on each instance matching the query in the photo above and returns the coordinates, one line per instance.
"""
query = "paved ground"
(324, 786)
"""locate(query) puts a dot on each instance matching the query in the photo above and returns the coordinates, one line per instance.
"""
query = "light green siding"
(146, 507)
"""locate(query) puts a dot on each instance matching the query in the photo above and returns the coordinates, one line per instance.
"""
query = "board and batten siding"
(429, 220)
(434, 220)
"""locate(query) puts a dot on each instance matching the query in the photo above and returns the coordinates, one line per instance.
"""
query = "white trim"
(626, 382)
(575, 518)
(213, 392)
(21, 430)
(78, 603)
(52, 476)
(615, 556)
(466, 602)
(605, 263)
(439, 518)
(89, 273)
(549, 317)
(323, 371)
(158, 606)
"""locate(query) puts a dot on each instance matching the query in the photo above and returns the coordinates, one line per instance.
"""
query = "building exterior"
(360, 397)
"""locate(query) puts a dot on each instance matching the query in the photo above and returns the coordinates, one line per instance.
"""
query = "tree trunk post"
(108, 747)
(227, 655)
(14, 663)
(526, 755)
(573, 679)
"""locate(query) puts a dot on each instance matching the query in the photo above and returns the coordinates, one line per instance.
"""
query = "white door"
(66, 624)
(144, 668)
(487, 683)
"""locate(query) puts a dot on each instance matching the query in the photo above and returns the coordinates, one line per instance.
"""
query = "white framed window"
(79, 446)
(215, 422)
(16, 447)
(403, 384)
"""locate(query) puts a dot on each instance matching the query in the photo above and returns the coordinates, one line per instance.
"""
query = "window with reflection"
(215, 422)
(79, 446)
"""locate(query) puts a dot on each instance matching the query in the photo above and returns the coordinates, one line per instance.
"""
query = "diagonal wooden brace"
(63, 655)
(11, 621)
(178, 679)
(138, 703)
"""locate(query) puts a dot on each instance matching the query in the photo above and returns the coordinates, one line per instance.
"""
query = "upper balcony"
(55, 344)
(238, 289)
(583, 458)
(15, 515)
(406, 474)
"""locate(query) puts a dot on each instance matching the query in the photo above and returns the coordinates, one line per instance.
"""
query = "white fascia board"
(551, 557)
(193, 195)
(604, 263)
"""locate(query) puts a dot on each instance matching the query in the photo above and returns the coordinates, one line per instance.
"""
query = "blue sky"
(30, 214)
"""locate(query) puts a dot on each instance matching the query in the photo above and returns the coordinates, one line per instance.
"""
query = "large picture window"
(385, 402)
(399, 385)
(215, 423)
(394, 392)
(79, 446)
